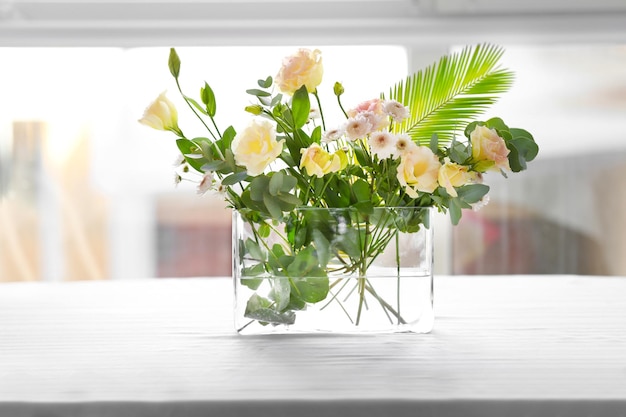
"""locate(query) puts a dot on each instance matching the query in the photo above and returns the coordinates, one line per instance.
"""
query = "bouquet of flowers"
(400, 150)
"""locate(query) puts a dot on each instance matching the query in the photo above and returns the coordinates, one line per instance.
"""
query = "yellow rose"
(161, 115)
(303, 68)
(454, 175)
(318, 162)
(256, 147)
(418, 171)
(488, 146)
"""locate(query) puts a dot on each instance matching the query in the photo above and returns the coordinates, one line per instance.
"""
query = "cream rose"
(161, 114)
(256, 147)
(303, 68)
(318, 162)
(454, 175)
(418, 171)
(488, 146)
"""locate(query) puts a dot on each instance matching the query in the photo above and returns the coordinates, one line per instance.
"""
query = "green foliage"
(208, 98)
(358, 169)
(448, 94)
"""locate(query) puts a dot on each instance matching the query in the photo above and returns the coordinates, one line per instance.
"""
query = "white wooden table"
(502, 346)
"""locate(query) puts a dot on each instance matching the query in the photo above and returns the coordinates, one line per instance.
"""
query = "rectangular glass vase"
(334, 270)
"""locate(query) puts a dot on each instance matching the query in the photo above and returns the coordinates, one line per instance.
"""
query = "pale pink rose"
(373, 111)
(378, 121)
(357, 127)
(303, 68)
(488, 146)
(396, 110)
(375, 106)
(418, 171)
(382, 144)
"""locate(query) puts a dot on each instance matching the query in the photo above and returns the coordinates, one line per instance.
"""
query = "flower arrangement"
(399, 150)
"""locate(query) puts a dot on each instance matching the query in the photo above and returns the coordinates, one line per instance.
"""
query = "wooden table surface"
(502, 346)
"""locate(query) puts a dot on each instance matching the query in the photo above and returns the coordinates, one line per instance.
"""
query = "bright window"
(88, 193)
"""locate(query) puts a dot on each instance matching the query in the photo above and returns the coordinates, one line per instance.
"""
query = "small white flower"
(383, 144)
(403, 144)
(179, 161)
(396, 110)
(333, 135)
(205, 183)
(219, 188)
(177, 178)
(314, 114)
(358, 127)
(482, 203)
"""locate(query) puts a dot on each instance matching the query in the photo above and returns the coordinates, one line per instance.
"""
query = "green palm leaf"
(444, 97)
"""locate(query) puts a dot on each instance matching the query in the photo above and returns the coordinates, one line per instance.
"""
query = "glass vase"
(334, 270)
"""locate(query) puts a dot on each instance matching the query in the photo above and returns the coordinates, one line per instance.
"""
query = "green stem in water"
(398, 273)
(363, 271)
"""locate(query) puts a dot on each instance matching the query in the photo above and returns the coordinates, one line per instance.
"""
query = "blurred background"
(86, 193)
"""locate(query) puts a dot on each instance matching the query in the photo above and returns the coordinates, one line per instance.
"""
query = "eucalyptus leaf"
(313, 288)
(216, 166)
(472, 193)
(258, 308)
(264, 230)
(254, 250)
(266, 83)
(361, 191)
(258, 93)
(288, 183)
(455, 211)
(322, 246)
(234, 178)
(280, 293)
(259, 187)
(434, 143)
(304, 262)
(252, 283)
(289, 199)
(272, 206)
(276, 183)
